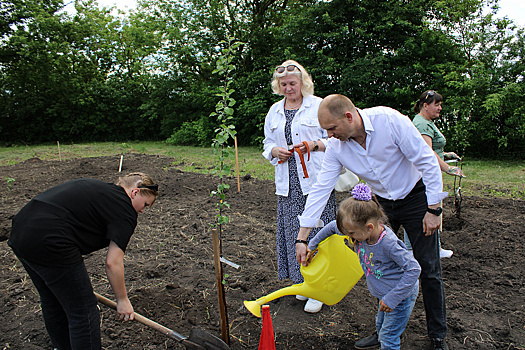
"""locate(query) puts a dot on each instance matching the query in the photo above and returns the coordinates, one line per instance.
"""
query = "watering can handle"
(310, 255)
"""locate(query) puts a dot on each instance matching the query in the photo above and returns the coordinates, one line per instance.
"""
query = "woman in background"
(427, 109)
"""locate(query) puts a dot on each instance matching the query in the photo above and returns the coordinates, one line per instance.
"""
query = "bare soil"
(171, 279)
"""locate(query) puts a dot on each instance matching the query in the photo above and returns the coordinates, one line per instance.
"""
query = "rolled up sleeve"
(321, 190)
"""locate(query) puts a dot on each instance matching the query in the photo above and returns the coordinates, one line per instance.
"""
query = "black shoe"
(439, 344)
(370, 342)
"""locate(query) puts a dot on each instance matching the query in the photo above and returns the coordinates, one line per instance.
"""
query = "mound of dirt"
(171, 279)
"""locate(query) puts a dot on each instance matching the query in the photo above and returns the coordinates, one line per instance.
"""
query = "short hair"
(427, 97)
(307, 87)
(338, 105)
(137, 180)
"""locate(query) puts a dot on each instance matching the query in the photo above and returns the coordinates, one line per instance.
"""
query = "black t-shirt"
(78, 217)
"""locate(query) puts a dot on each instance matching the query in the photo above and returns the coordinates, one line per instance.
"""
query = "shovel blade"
(207, 340)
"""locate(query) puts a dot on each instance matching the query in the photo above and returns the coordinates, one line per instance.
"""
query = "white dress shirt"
(395, 158)
(305, 127)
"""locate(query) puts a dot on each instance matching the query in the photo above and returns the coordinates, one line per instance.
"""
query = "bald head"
(336, 106)
(339, 117)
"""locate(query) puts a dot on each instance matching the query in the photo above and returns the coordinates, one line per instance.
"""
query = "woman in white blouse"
(294, 143)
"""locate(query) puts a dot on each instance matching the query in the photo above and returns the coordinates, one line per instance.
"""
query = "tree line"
(148, 74)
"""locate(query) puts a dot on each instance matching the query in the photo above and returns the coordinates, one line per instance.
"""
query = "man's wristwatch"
(436, 211)
(302, 241)
(316, 146)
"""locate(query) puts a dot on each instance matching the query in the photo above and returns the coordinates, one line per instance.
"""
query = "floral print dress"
(288, 210)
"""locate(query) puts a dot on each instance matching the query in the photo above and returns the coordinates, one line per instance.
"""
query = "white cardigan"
(305, 127)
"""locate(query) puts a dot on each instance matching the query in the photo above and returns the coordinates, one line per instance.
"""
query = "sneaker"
(445, 253)
(439, 344)
(370, 342)
(313, 306)
(301, 298)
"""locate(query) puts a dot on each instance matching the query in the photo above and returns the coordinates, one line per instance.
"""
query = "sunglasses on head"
(430, 93)
(150, 187)
(289, 68)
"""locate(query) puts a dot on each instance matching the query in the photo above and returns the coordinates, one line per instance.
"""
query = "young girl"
(391, 271)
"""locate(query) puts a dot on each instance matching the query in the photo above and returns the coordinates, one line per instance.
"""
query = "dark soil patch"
(170, 272)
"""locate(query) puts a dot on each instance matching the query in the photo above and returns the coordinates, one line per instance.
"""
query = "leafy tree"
(74, 78)
(192, 29)
(148, 74)
(485, 122)
(33, 53)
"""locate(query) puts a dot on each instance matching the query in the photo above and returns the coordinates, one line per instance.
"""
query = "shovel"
(458, 198)
(198, 340)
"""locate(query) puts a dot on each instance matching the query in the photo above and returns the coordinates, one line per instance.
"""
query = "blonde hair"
(359, 213)
(307, 87)
(135, 180)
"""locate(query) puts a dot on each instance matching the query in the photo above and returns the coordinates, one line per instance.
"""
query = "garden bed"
(170, 270)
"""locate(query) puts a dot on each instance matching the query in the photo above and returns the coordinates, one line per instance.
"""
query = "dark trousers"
(409, 212)
(69, 306)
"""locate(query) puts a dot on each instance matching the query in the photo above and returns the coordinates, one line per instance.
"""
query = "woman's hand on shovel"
(125, 310)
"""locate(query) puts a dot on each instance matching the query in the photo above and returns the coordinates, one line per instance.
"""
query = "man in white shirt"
(382, 147)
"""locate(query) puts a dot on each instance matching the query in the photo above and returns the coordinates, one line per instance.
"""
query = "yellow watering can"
(333, 271)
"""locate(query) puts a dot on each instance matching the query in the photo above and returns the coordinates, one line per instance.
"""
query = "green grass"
(189, 159)
(492, 178)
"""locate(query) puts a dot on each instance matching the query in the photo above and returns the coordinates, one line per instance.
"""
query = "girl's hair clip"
(362, 192)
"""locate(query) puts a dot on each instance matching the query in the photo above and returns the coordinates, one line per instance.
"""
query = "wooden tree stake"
(225, 331)
(237, 163)
(59, 156)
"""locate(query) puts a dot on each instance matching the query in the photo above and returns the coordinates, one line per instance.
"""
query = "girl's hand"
(310, 254)
(384, 307)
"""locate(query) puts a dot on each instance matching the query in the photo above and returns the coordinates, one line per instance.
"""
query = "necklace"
(294, 107)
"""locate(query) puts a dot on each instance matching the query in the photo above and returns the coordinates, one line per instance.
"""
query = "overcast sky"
(514, 9)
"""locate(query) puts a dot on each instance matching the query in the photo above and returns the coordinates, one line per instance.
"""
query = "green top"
(427, 127)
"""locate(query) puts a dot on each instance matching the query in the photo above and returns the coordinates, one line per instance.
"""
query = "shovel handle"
(156, 326)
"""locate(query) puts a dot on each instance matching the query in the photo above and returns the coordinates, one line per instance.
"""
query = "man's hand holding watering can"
(301, 246)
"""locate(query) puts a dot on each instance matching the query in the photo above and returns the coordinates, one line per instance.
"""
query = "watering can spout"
(331, 274)
(255, 305)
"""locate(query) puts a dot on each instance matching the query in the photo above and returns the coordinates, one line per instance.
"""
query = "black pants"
(69, 305)
(410, 212)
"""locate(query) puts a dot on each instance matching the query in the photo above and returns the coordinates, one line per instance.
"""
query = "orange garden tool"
(297, 149)
(330, 275)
